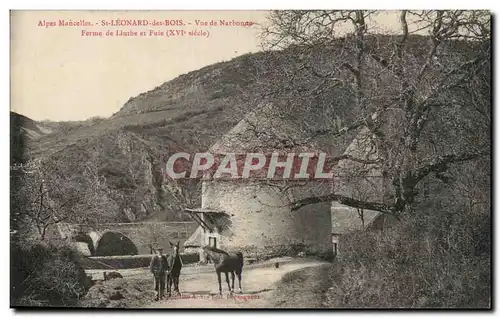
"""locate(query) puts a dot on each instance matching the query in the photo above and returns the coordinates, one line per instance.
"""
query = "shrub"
(435, 258)
(46, 275)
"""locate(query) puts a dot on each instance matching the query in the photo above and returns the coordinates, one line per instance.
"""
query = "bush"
(436, 258)
(46, 275)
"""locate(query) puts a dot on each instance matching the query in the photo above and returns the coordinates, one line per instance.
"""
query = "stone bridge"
(126, 238)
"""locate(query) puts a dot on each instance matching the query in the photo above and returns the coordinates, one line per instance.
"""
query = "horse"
(174, 264)
(225, 262)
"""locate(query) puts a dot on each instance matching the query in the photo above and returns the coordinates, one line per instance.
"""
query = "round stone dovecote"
(255, 215)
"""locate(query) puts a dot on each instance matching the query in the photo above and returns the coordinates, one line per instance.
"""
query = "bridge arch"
(114, 243)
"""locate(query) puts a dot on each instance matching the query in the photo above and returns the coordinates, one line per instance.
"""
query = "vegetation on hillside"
(412, 95)
(41, 273)
(46, 274)
(440, 256)
(128, 151)
(423, 103)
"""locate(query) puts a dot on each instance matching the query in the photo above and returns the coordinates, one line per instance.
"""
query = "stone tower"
(254, 216)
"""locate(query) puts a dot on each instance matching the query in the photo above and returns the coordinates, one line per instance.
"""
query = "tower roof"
(263, 130)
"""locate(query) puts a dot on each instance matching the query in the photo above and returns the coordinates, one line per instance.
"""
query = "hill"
(129, 149)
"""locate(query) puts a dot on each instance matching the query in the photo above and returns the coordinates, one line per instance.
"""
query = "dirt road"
(199, 287)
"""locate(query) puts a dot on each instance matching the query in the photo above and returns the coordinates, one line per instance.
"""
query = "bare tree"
(422, 101)
(52, 197)
(47, 203)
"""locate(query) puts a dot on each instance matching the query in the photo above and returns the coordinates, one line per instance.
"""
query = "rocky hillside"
(29, 128)
(120, 159)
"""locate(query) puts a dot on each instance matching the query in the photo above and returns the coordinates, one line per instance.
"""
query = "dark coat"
(158, 264)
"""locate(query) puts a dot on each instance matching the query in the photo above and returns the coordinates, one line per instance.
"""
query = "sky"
(58, 74)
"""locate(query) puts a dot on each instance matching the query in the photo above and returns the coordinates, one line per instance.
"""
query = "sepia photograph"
(251, 159)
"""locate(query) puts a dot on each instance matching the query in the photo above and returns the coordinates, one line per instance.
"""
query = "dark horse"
(225, 262)
(174, 264)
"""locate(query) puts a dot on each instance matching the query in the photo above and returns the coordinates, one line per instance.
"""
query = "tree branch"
(351, 68)
(337, 133)
(383, 62)
(442, 162)
(335, 160)
(380, 207)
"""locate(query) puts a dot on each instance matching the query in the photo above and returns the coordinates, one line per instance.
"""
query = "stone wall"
(260, 220)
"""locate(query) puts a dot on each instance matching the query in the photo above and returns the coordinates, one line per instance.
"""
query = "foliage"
(439, 256)
(409, 95)
(50, 196)
(46, 275)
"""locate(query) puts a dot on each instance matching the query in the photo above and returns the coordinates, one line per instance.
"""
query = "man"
(158, 267)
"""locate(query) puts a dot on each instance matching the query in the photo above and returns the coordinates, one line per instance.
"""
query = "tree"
(51, 197)
(47, 203)
(423, 102)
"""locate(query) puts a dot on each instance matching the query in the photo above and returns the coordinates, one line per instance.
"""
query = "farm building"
(254, 215)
